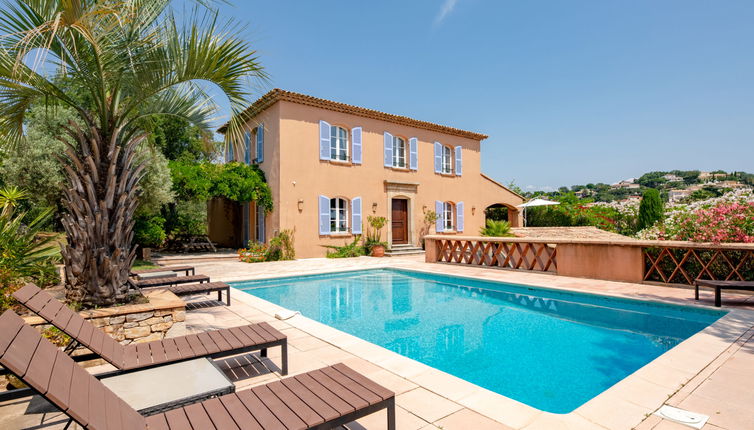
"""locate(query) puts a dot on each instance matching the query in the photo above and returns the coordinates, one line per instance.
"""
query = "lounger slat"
(98, 339)
(73, 328)
(50, 309)
(11, 324)
(158, 352)
(219, 416)
(278, 408)
(18, 355)
(198, 417)
(177, 420)
(253, 335)
(351, 385)
(317, 404)
(241, 336)
(37, 302)
(130, 357)
(60, 381)
(78, 402)
(86, 333)
(272, 331)
(208, 343)
(63, 317)
(41, 365)
(239, 413)
(157, 422)
(342, 392)
(231, 339)
(131, 419)
(333, 400)
(25, 293)
(183, 347)
(219, 340)
(264, 417)
(164, 269)
(365, 382)
(171, 349)
(298, 406)
(143, 354)
(109, 351)
(257, 328)
(162, 282)
(97, 410)
(112, 411)
(196, 345)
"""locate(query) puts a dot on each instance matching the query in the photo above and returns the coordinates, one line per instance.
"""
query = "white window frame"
(338, 143)
(399, 152)
(339, 215)
(447, 160)
(448, 216)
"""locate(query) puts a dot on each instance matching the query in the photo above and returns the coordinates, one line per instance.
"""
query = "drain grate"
(680, 416)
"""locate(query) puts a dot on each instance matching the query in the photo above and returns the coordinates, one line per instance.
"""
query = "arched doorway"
(502, 212)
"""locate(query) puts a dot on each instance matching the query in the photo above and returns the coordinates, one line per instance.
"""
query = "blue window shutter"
(413, 153)
(229, 155)
(438, 157)
(356, 215)
(247, 146)
(459, 216)
(439, 224)
(388, 140)
(324, 215)
(324, 141)
(356, 145)
(260, 225)
(260, 143)
(459, 161)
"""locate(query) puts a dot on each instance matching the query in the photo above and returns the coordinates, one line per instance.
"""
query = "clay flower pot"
(378, 251)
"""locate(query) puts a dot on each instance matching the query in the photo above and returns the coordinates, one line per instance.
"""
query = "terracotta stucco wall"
(302, 177)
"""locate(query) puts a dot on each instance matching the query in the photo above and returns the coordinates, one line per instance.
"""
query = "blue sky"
(569, 91)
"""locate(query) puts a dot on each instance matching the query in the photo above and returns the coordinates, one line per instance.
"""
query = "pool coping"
(624, 405)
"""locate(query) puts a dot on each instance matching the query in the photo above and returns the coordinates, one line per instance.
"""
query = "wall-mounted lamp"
(300, 205)
(473, 210)
(374, 207)
(424, 209)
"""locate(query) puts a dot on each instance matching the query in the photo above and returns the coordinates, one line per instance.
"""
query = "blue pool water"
(549, 349)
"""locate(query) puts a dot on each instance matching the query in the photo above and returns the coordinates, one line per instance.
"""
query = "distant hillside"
(674, 185)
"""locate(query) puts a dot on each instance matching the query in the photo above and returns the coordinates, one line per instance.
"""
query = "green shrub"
(650, 209)
(353, 249)
(496, 229)
(281, 247)
(149, 231)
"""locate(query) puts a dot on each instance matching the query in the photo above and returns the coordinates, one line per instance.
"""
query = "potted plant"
(374, 245)
(430, 217)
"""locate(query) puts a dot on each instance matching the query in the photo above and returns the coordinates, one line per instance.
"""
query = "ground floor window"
(447, 216)
(338, 215)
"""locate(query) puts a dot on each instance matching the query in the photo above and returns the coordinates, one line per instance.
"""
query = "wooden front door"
(400, 221)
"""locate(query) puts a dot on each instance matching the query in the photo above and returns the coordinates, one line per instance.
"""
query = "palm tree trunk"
(100, 202)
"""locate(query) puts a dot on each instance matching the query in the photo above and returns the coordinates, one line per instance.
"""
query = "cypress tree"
(650, 209)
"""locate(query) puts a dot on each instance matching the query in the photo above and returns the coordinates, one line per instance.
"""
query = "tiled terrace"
(710, 373)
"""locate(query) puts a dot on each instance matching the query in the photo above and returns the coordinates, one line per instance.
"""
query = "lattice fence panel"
(683, 265)
(515, 255)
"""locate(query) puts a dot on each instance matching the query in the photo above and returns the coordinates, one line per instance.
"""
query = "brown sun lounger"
(213, 343)
(321, 399)
(193, 289)
(188, 270)
(164, 282)
(721, 285)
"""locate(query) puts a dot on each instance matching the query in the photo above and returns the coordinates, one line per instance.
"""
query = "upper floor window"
(334, 143)
(447, 160)
(448, 216)
(338, 215)
(338, 143)
(399, 152)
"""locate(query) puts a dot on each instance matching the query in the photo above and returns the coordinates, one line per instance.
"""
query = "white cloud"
(445, 10)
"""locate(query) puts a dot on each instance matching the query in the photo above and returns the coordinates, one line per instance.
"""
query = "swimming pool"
(552, 350)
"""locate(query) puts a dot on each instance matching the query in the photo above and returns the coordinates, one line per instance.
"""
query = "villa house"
(330, 165)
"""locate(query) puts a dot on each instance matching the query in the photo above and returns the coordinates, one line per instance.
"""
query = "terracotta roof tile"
(277, 94)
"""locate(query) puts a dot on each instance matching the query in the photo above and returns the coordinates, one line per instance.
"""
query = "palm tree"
(129, 61)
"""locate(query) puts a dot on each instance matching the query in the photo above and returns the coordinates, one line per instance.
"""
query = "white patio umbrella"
(536, 202)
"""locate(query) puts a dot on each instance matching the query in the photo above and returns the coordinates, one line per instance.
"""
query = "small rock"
(168, 318)
(150, 338)
(117, 320)
(161, 327)
(130, 325)
(150, 321)
(141, 316)
(137, 332)
(179, 316)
